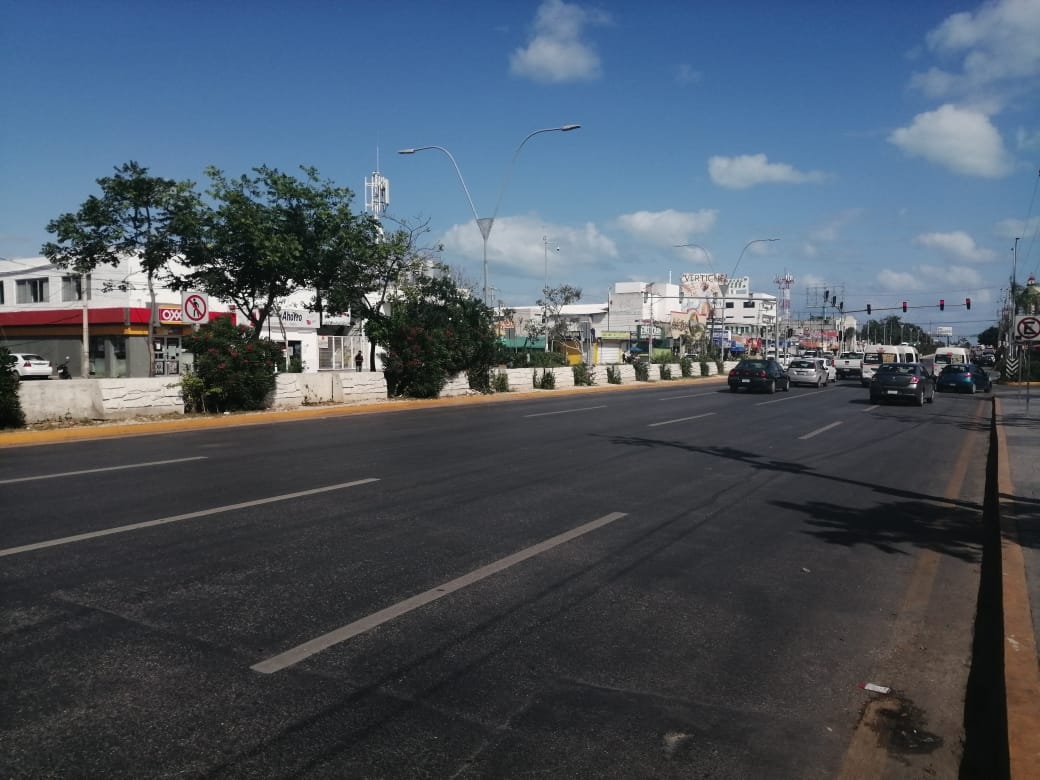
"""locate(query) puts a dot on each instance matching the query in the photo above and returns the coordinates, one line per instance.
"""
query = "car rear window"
(955, 370)
(801, 364)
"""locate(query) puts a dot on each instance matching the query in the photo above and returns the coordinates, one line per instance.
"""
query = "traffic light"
(834, 301)
(942, 305)
(904, 307)
(967, 303)
(868, 308)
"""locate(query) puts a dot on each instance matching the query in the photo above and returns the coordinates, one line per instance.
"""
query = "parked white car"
(29, 365)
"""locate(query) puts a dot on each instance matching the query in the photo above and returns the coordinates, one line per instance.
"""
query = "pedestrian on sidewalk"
(359, 360)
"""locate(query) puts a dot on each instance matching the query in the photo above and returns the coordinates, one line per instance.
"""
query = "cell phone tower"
(784, 282)
(377, 191)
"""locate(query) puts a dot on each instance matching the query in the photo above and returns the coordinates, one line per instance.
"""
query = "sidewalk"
(1017, 416)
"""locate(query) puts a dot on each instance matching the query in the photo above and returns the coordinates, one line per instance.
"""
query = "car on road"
(963, 378)
(902, 382)
(987, 359)
(807, 371)
(764, 374)
(29, 365)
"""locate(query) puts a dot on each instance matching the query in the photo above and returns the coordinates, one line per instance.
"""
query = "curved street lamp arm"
(462, 181)
(742, 251)
(512, 161)
(707, 254)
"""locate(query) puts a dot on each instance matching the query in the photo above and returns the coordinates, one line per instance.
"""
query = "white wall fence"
(120, 399)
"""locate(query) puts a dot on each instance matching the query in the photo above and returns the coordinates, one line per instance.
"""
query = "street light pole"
(725, 286)
(484, 224)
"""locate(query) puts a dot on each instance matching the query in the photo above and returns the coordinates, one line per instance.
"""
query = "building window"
(72, 288)
(749, 304)
(31, 291)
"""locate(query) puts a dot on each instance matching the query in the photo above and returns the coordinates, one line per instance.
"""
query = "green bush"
(232, 369)
(547, 381)
(686, 366)
(11, 414)
(583, 376)
(501, 383)
(642, 370)
(614, 375)
(705, 368)
(664, 370)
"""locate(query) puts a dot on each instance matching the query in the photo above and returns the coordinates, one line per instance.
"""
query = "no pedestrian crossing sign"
(1027, 328)
(194, 308)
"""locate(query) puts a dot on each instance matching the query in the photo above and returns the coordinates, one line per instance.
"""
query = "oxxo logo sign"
(170, 315)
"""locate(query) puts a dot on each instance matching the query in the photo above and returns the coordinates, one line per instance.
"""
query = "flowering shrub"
(233, 370)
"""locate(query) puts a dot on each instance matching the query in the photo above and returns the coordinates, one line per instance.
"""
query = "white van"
(946, 356)
(876, 354)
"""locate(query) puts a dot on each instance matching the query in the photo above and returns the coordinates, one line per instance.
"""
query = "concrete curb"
(1021, 668)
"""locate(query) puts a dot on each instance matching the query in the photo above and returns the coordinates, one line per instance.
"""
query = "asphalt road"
(658, 582)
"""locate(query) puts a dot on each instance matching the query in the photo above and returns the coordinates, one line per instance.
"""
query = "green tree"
(136, 215)
(363, 280)
(434, 330)
(553, 325)
(268, 236)
(11, 414)
(990, 335)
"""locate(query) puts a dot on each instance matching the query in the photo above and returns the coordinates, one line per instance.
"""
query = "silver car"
(807, 371)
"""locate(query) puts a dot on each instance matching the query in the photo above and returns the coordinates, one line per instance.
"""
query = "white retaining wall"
(115, 399)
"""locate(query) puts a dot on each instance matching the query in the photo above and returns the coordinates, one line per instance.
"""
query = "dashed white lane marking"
(681, 419)
(122, 529)
(567, 411)
(818, 431)
(13, 480)
(318, 644)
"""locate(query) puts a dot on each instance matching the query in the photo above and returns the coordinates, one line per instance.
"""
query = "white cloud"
(686, 74)
(1011, 228)
(515, 247)
(958, 244)
(669, 227)
(998, 48)
(898, 281)
(557, 52)
(930, 277)
(961, 140)
(1026, 140)
(747, 170)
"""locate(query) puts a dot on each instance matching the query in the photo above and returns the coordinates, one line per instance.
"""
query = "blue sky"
(893, 147)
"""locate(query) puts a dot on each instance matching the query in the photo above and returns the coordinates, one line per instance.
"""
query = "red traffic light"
(942, 305)
(967, 303)
(904, 306)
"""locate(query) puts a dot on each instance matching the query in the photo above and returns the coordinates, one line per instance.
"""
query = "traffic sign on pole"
(1027, 328)
(194, 308)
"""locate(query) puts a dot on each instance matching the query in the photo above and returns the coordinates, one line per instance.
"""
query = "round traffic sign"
(195, 308)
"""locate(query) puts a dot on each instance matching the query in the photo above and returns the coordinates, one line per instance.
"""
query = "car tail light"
(27, 364)
(733, 372)
(761, 373)
(967, 375)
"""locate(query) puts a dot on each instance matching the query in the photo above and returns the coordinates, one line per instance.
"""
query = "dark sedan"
(758, 374)
(902, 382)
(963, 378)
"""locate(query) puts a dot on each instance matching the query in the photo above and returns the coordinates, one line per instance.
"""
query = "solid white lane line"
(681, 419)
(785, 398)
(567, 411)
(98, 471)
(818, 431)
(318, 644)
(872, 408)
(121, 529)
